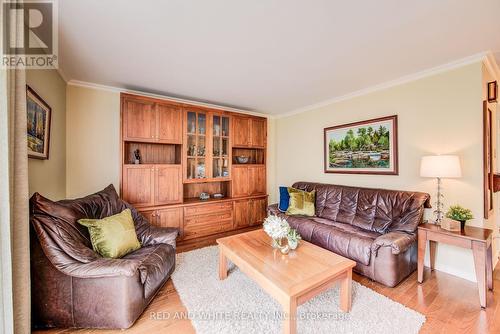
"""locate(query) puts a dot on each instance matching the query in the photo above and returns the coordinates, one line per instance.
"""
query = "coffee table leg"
(346, 292)
(222, 264)
(290, 319)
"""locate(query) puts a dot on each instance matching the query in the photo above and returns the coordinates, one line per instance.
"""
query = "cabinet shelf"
(196, 200)
(247, 164)
(194, 189)
(151, 164)
(152, 153)
(256, 156)
(207, 180)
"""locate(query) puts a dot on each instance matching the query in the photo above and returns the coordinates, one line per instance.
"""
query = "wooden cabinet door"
(139, 120)
(138, 185)
(168, 184)
(258, 133)
(240, 184)
(150, 216)
(257, 180)
(241, 131)
(168, 123)
(171, 217)
(258, 208)
(242, 213)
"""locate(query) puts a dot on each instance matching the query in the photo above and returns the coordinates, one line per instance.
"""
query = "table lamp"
(440, 166)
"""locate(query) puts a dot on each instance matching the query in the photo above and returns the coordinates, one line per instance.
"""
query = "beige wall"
(48, 177)
(441, 114)
(93, 140)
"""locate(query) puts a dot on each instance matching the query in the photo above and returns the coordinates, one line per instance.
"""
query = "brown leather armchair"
(72, 286)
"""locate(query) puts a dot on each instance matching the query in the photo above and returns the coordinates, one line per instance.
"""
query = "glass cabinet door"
(196, 144)
(220, 146)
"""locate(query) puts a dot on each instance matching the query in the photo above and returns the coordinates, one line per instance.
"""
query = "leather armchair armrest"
(398, 241)
(159, 235)
(101, 267)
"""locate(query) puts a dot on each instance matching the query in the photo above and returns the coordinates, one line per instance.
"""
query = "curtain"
(14, 231)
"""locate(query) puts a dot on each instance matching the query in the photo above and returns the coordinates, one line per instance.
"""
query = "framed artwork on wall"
(38, 127)
(366, 147)
(492, 91)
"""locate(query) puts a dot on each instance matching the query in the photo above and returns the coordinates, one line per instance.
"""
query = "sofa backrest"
(377, 210)
(58, 231)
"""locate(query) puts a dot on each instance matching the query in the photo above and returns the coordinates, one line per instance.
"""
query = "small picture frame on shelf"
(492, 91)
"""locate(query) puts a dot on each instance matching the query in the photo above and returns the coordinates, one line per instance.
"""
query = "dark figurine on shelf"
(137, 157)
(192, 150)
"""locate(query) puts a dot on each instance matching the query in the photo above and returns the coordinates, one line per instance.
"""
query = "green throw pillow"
(113, 236)
(301, 202)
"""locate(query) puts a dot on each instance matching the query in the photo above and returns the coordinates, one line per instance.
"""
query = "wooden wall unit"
(248, 180)
(186, 150)
(250, 132)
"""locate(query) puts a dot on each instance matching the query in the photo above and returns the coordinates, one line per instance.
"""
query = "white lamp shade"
(440, 166)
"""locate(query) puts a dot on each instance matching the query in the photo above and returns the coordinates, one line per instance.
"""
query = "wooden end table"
(475, 238)
(291, 279)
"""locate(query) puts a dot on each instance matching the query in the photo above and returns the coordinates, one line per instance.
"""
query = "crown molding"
(392, 83)
(114, 89)
(62, 74)
(492, 65)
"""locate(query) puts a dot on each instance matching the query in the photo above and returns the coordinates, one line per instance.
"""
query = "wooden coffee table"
(291, 279)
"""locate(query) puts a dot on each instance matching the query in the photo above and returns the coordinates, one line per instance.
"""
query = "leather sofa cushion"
(343, 239)
(157, 263)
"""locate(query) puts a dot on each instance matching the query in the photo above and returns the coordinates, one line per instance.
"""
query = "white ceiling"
(271, 56)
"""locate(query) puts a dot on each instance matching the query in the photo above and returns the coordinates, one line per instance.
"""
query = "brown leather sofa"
(72, 286)
(374, 227)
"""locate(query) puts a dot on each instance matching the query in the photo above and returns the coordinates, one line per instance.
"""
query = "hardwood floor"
(450, 304)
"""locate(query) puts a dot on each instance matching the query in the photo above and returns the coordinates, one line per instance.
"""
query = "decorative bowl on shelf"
(242, 159)
(204, 196)
(218, 195)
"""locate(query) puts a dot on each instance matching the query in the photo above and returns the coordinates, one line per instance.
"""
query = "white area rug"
(238, 305)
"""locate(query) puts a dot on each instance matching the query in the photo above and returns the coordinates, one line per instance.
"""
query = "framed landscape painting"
(367, 147)
(39, 113)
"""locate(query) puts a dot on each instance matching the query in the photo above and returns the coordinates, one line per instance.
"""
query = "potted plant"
(293, 238)
(459, 213)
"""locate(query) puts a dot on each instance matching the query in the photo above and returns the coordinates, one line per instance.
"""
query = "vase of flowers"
(277, 228)
(293, 238)
(456, 212)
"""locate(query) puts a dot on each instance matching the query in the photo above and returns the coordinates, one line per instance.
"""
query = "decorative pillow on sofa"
(301, 202)
(284, 199)
(113, 236)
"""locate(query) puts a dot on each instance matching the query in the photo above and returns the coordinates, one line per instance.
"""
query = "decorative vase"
(285, 249)
(462, 224)
(281, 245)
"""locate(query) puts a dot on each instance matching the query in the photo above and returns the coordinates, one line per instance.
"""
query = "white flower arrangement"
(276, 227)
